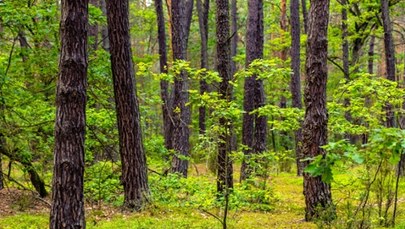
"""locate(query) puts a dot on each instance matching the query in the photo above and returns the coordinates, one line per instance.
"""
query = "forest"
(202, 114)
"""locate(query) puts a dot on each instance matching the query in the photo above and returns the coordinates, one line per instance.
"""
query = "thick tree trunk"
(295, 83)
(389, 55)
(225, 171)
(164, 84)
(203, 7)
(134, 171)
(317, 193)
(254, 126)
(181, 12)
(67, 188)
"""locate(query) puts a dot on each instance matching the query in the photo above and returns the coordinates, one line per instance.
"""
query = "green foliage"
(102, 182)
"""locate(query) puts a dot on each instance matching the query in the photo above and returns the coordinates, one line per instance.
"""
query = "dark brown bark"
(225, 171)
(181, 12)
(295, 83)
(317, 193)
(234, 33)
(133, 161)
(104, 29)
(254, 126)
(164, 84)
(203, 7)
(389, 55)
(305, 15)
(67, 187)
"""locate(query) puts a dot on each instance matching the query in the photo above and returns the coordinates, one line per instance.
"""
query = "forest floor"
(20, 209)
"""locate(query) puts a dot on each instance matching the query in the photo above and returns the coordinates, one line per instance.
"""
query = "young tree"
(203, 7)
(67, 209)
(104, 29)
(254, 126)
(133, 160)
(164, 84)
(180, 13)
(225, 171)
(295, 83)
(317, 193)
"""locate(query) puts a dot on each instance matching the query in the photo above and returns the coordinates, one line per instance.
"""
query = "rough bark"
(67, 188)
(133, 161)
(317, 193)
(234, 33)
(225, 172)
(295, 83)
(305, 15)
(389, 55)
(181, 12)
(164, 84)
(254, 126)
(203, 7)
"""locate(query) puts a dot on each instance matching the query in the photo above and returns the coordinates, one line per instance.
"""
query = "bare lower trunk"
(318, 198)
(254, 126)
(295, 83)
(181, 12)
(164, 84)
(67, 187)
(133, 160)
(203, 10)
(225, 173)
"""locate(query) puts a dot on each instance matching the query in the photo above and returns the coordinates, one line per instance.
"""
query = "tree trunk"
(104, 29)
(134, 171)
(164, 84)
(317, 193)
(93, 29)
(181, 12)
(67, 188)
(371, 55)
(203, 10)
(295, 83)
(234, 33)
(254, 126)
(389, 55)
(305, 15)
(225, 171)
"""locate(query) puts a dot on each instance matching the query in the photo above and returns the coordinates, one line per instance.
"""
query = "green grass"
(182, 211)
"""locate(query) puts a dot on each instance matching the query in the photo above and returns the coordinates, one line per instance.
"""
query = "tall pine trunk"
(295, 83)
(203, 7)
(133, 161)
(318, 198)
(180, 12)
(225, 171)
(254, 126)
(164, 84)
(67, 209)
